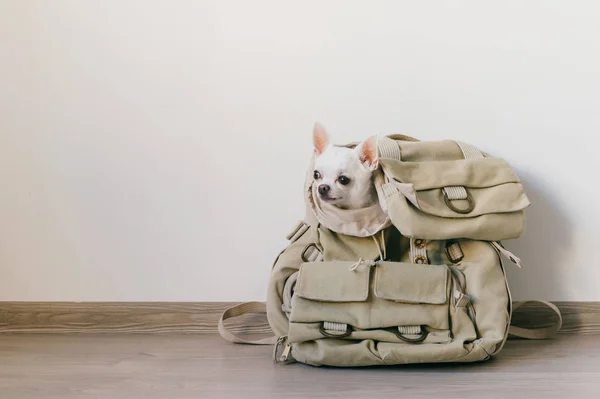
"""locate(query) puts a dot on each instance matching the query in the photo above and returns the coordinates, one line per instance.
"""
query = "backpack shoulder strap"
(239, 310)
(259, 307)
(545, 332)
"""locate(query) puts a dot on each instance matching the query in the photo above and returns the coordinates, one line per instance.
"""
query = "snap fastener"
(420, 260)
(420, 243)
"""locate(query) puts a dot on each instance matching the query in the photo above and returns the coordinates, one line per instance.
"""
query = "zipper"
(276, 347)
(286, 352)
(507, 254)
(510, 307)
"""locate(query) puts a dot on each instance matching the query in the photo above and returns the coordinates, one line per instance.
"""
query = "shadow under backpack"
(416, 278)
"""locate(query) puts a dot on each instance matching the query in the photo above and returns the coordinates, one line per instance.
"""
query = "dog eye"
(344, 181)
(316, 175)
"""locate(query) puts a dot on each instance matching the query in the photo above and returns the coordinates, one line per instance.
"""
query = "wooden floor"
(203, 366)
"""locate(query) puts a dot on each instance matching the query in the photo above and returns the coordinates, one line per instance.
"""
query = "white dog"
(344, 175)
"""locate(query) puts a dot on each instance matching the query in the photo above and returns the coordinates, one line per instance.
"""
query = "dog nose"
(324, 189)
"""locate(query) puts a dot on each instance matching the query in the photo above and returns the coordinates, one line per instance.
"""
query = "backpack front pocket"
(383, 301)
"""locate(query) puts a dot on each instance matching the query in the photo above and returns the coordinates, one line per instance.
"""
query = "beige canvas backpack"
(417, 278)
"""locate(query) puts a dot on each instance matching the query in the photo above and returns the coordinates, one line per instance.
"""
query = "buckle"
(311, 253)
(468, 209)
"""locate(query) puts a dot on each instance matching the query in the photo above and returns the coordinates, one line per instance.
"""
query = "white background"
(155, 150)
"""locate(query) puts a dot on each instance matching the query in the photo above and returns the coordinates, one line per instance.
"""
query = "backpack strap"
(402, 137)
(260, 307)
(537, 332)
(239, 310)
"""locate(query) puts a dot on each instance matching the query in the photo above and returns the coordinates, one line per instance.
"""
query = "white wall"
(155, 150)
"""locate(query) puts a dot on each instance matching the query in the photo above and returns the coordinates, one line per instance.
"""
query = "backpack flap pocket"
(333, 282)
(334, 291)
(407, 294)
(480, 172)
(481, 199)
(412, 283)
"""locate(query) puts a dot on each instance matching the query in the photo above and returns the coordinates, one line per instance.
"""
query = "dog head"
(344, 176)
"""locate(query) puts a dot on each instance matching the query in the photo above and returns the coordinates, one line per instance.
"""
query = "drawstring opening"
(380, 249)
(362, 262)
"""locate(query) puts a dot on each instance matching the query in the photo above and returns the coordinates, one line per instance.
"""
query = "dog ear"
(367, 153)
(320, 139)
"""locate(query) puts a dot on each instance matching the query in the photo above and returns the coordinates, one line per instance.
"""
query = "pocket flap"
(413, 283)
(474, 173)
(333, 282)
(504, 198)
(490, 183)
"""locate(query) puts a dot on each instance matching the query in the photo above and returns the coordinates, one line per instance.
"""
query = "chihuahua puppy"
(344, 176)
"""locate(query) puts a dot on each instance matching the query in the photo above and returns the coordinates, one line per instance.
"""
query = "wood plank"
(202, 317)
(578, 317)
(157, 366)
(121, 317)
